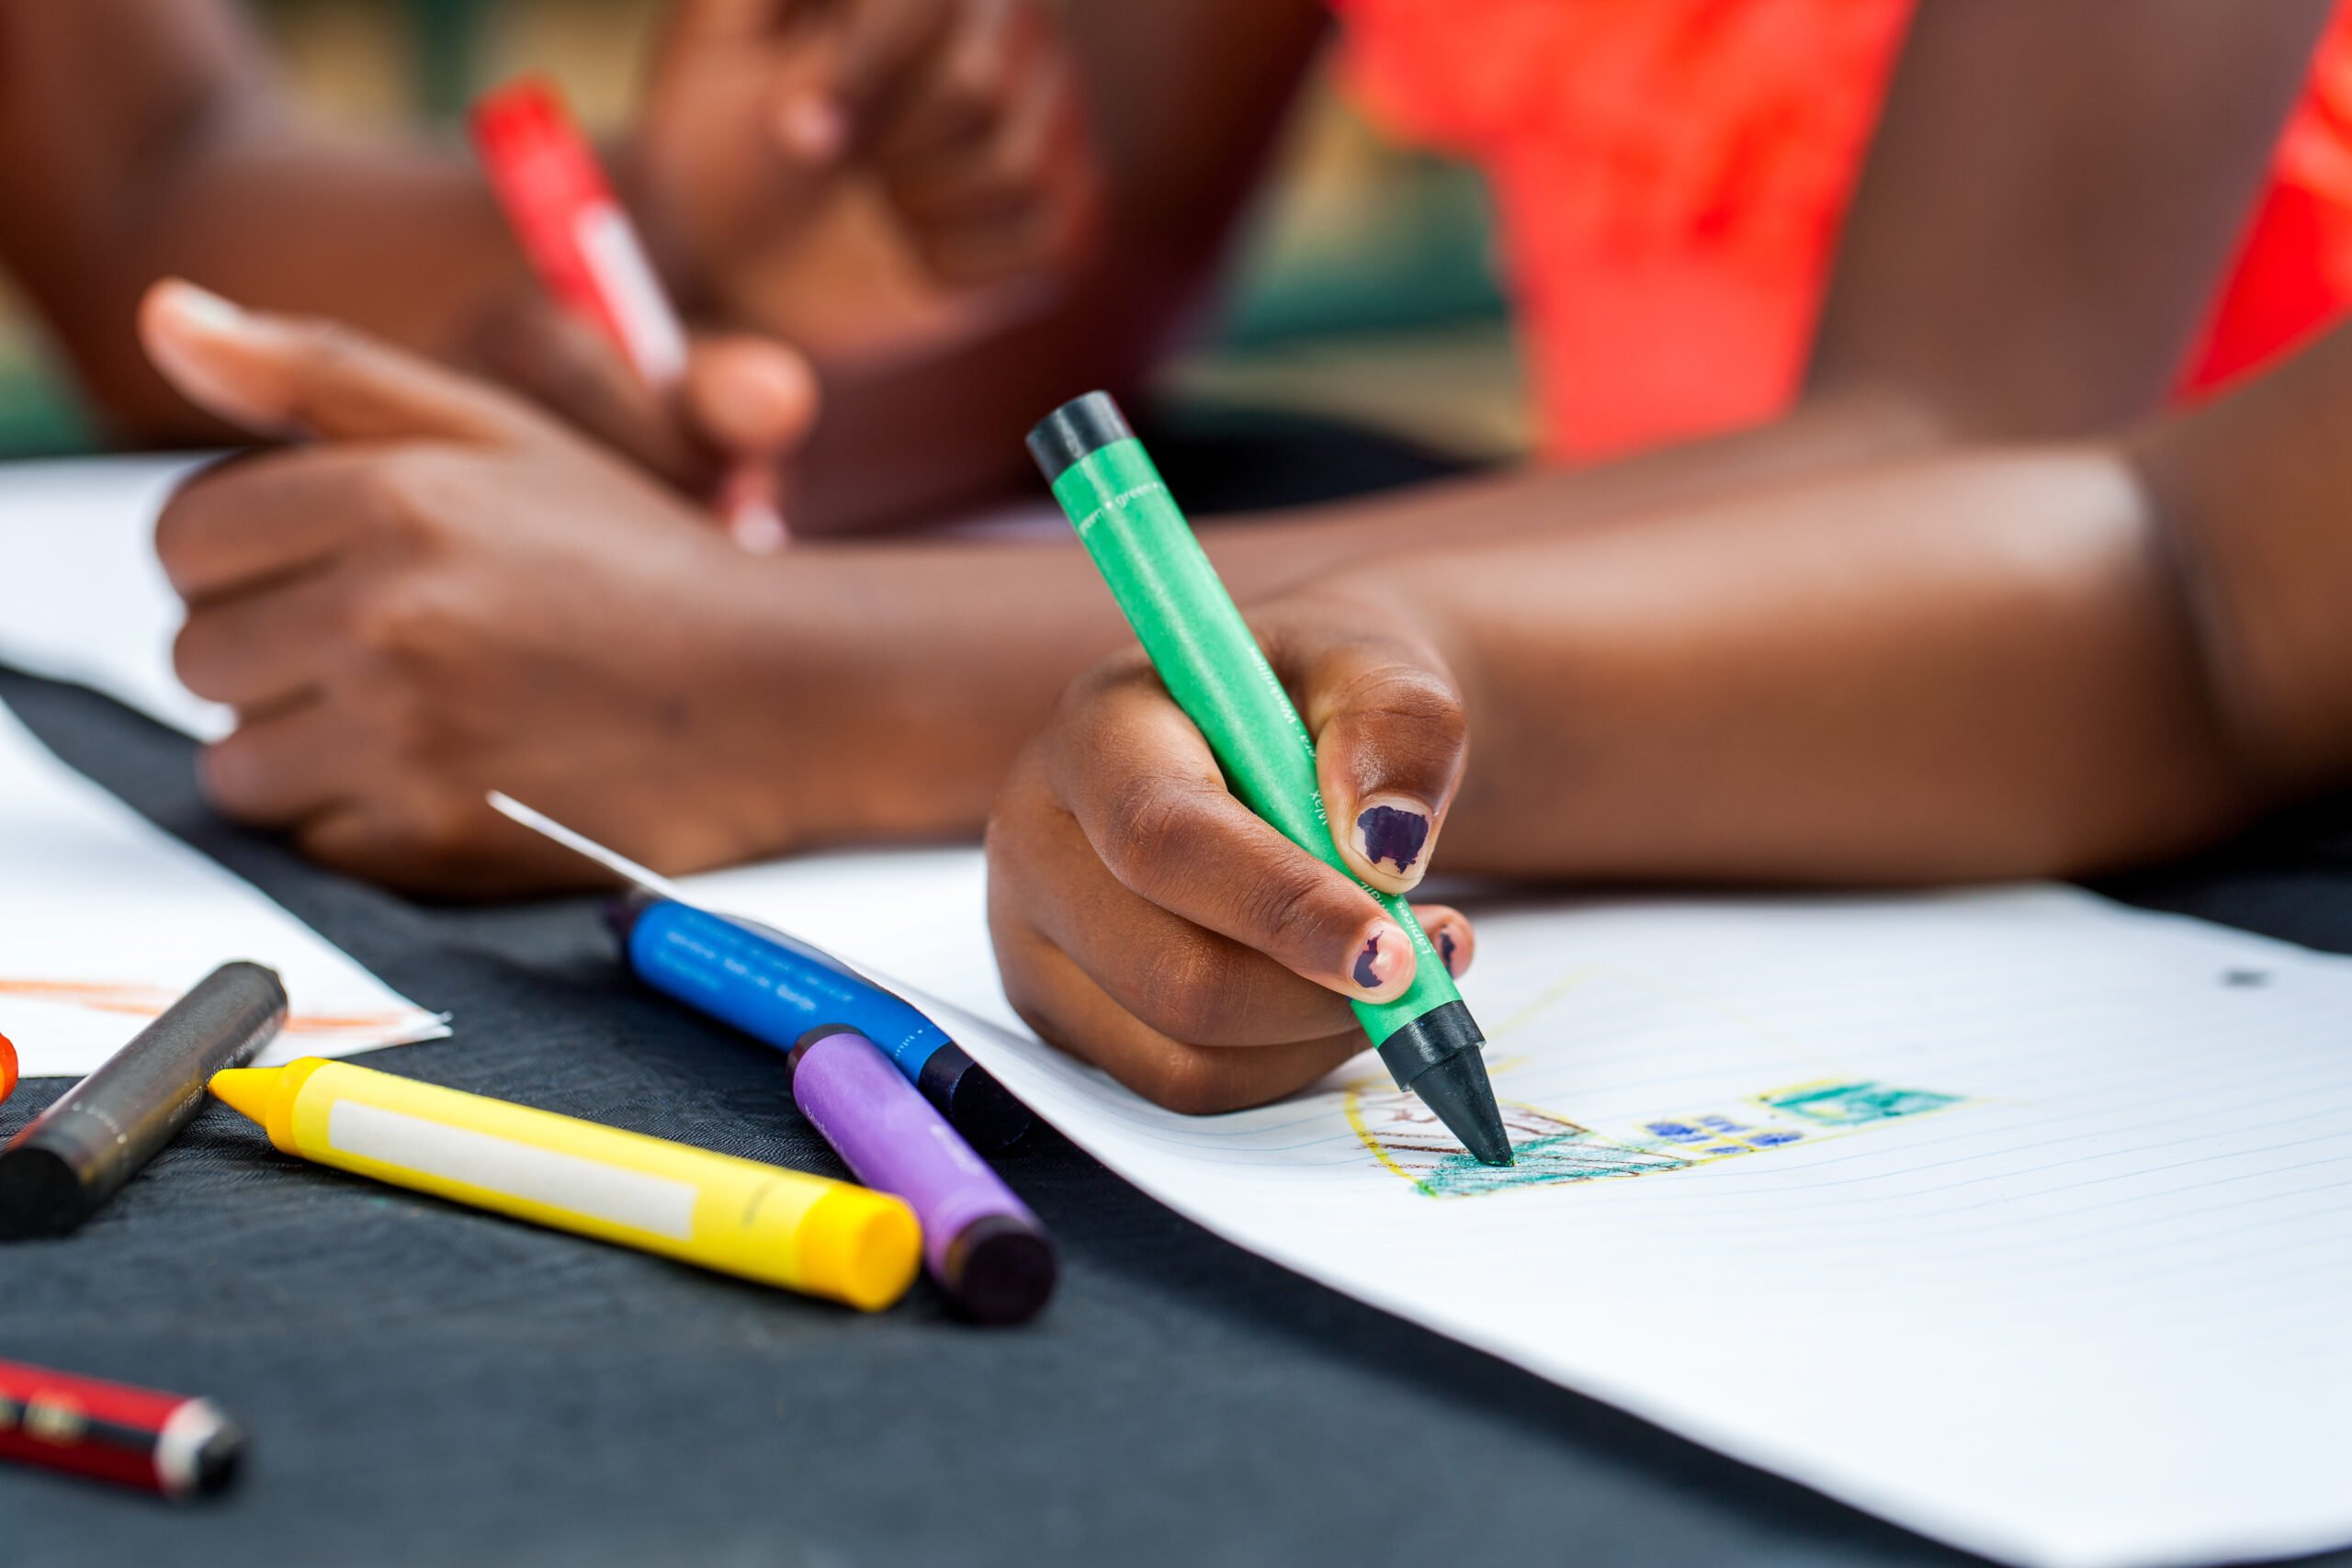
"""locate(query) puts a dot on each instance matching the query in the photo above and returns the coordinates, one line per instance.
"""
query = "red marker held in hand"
(588, 255)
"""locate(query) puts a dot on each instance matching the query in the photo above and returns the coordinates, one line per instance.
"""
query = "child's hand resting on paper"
(1147, 920)
(449, 592)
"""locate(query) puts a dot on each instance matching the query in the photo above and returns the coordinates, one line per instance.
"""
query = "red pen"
(588, 254)
(134, 1437)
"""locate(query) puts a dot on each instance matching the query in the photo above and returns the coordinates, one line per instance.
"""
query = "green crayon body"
(1212, 665)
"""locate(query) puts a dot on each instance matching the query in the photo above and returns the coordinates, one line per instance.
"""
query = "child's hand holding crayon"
(1147, 920)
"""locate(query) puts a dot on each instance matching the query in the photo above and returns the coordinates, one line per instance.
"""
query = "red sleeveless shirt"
(1671, 174)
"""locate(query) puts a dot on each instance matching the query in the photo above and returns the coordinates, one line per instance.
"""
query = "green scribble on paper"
(1854, 1104)
(1575, 1155)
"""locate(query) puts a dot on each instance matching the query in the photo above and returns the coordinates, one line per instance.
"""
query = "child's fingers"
(284, 767)
(1020, 187)
(996, 171)
(267, 516)
(876, 56)
(1004, 205)
(278, 375)
(1180, 981)
(749, 397)
(1127, 764)
(744, 399)
(1181, 1016)
(755, 401)
(258, 651)
(1390, 739)
(1451, 933)
(569, 366)
(974, 71)
(850, 66)
(1150, 922)
(1065, 1007)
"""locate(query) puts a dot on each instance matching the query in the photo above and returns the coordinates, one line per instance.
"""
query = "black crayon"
(57, 1171)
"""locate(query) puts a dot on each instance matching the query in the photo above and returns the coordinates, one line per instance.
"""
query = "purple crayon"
(981, 1243)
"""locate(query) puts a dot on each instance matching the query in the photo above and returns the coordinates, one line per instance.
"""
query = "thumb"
(1390, 739)
(749, 397)
(285, 376)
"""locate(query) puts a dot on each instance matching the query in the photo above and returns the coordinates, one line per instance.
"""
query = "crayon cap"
(1074, 431)
(198, 1450)
(860, 1246)
(1000, 1268)
(8, 1066)
(973, 1103)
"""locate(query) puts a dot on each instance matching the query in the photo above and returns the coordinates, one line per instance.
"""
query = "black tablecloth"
(425, 1383)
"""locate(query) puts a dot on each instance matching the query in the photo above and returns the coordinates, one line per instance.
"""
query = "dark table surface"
(426, 1383)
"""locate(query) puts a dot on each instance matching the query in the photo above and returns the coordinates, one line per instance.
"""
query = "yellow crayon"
(780, 1227)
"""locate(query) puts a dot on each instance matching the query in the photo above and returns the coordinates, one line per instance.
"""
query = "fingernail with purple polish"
(1392, 834)
(1445, 946)
(1385, 953)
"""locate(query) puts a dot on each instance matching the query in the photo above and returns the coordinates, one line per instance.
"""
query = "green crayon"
(1212, 666)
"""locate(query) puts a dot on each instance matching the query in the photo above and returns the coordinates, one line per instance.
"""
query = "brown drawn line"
(148, 1001)
(331, 1023)
(138, 1001)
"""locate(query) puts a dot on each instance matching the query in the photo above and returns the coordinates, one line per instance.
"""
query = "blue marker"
(777, 988)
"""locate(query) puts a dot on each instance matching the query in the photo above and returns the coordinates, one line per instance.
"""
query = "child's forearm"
(2251, 494)
(1977, 667)
(402, 240)
(985, 635)
(146, 137)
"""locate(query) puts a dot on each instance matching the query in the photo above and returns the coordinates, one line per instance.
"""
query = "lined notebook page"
(2015, 1216)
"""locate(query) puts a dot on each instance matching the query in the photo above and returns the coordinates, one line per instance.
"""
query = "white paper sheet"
(2015, 1216)
(87, 601)
(104, 918)
(2039, 1242)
